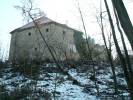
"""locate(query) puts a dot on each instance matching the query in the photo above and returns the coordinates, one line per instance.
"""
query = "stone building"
(27, 43)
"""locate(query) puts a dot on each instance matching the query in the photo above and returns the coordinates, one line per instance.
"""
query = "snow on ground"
(81, 77)
(73, 92)
(65, 89)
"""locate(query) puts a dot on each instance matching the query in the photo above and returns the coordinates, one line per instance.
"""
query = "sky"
(62, 11)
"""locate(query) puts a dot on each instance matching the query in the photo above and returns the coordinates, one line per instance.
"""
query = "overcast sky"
(63, 11)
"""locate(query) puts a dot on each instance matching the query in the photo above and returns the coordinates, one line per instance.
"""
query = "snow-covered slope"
(47, 85)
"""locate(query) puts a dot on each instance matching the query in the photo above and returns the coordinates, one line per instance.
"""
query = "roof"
(42, 21)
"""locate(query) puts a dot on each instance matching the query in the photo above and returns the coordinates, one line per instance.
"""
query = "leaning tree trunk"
(109, 54)
(124, 19)
(52, 53)
(89, 51)
(124, 45)
(123, 62)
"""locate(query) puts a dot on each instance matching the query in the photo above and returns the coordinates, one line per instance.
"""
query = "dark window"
(64, 32)
(29, 34)
(47, 30)
(36, 49)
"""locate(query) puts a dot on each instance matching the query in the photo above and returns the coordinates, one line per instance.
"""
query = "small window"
(64, 32)
(47, 30)
(29, 34)
(35, 49)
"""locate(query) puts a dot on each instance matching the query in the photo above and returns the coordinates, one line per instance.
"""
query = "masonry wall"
(65, 41)
(28, 44)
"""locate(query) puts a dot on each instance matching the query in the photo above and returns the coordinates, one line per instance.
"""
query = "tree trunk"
(109, 55)
(123, 62)
(124, 45)
(124, 19)
(89, 51)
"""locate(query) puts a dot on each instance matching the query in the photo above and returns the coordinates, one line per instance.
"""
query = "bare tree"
(122, 59)
(124, 19)
(124, 45)
(108, 50)
(27, 11)
(89, 50)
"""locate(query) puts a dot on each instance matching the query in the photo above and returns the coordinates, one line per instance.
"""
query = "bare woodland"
(95, 60)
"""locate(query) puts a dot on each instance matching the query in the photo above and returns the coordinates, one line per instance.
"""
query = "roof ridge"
(42, 20)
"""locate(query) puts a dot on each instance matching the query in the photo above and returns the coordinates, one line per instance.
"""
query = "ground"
(47, 83)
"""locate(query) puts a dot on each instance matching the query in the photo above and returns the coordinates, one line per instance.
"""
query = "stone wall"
(28, 45)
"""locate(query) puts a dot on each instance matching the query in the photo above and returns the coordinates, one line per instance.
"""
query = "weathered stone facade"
(27, 43)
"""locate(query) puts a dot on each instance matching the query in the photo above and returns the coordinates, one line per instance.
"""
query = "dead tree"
(122, 59)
